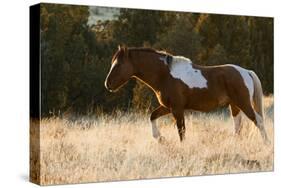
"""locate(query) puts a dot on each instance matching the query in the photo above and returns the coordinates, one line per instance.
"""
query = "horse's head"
(121, 70)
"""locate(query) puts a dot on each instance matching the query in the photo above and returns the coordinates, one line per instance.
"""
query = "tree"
(75, 56)
(143, 98)
(136, 27)
(63, 31)
(181, 38)
(218, 56)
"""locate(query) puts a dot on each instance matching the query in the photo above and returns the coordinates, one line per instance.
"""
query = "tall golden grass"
(121, 147)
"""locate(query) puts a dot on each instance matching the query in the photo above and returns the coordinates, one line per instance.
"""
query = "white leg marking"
(259, 119)
(189, 119)
(155, 131)
(260, 125)
(238, 122)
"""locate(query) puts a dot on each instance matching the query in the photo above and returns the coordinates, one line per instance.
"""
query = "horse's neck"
(149, 72)
(149, 78)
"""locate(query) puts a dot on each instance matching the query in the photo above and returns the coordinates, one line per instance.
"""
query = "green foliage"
(139, 27)
(76, 56)
(217, 56)
(246, 41)
(71, 68)
(181, 38)
(143, 98)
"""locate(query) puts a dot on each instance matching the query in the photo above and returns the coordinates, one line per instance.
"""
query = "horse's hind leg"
(158, 112)
(247, 108)
(260, 125)
(237, 118)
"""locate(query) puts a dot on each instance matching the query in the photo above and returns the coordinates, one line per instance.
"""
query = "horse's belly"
(208, 103)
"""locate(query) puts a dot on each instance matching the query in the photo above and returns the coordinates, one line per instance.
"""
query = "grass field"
(121, 147)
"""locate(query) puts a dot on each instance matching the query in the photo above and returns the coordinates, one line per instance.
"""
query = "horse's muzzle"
(107, 86)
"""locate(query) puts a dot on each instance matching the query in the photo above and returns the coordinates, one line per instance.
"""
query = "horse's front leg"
(158, 112)
(179, 117)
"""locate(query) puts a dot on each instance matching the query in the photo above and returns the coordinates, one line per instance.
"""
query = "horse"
(181, 85)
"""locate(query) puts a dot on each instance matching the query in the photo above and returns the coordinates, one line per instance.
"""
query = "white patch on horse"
(164, 59)
(182, 69)
(247, 79)
(155, 131)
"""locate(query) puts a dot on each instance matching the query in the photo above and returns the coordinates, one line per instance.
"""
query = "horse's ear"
(119, 47)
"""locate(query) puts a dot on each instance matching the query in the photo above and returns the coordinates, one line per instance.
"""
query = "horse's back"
(225, 84)
(239, 78)
(208, 87)
(237, 81)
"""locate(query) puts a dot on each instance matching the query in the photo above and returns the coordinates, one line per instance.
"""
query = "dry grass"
(121, 147)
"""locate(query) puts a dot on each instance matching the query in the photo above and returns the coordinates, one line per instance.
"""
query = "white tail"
(258, 95)
(258, 106)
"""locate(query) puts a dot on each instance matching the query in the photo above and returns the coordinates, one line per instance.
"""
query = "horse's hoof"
(156, 135)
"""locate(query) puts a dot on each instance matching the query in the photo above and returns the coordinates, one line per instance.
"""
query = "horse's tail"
(258, 95)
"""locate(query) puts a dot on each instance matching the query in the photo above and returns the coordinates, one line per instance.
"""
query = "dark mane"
(142, 49)
(146, 49)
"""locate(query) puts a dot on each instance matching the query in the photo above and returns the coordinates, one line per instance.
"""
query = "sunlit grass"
(121, 147)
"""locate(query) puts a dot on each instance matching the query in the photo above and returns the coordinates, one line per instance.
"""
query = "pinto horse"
(182, 85)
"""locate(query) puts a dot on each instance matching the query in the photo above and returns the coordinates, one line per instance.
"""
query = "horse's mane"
(142, 49)
(152, 50)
